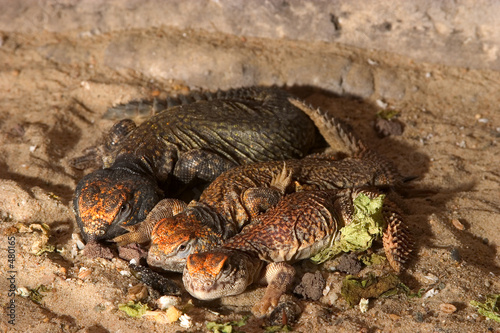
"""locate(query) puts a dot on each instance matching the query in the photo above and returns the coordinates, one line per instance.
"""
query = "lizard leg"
(200, 165)
(279, 276)
(141, 232)
(257, 200)
(118, 132)
(101, 155)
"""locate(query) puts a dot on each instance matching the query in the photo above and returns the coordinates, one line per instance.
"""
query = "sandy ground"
(56, 88)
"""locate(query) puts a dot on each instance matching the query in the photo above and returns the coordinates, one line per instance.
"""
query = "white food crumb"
(126, 273)
(185, 321)
(430, 293)
(363, 305)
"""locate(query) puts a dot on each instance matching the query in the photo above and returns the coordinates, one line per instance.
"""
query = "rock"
(96, 250)
(385, 127)
(349, 264)
(311, 286)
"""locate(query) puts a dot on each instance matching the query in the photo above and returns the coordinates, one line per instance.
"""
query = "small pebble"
(394, 316)
(447, 308)
(455, 254)
(80, 245)
(381, 104)
(63, 271)
(457, 224)
(431, 278)
(349, 263)
(84, 273)
(419, 317)
(78, 240)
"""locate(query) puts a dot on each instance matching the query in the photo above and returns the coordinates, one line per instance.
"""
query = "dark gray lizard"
(178, 145)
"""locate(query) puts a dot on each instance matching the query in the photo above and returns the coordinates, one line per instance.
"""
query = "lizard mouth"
(157, 258)
(231, 280)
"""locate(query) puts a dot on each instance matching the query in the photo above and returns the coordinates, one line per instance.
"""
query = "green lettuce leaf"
(367, 225)
(490, 308)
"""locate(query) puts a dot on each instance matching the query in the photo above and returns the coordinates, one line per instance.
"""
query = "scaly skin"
(300, 226)
(232, 207)
(240, 194)
(183, 144)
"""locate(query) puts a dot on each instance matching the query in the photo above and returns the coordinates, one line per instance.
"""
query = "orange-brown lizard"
(301, 225)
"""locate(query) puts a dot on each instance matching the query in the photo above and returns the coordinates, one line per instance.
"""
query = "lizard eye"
(124, 212)
(124, 208)
(226, 268)
(184, 250)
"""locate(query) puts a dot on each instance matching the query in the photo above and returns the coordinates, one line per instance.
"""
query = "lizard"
(297, 228)
(197, 140)
(236, 196)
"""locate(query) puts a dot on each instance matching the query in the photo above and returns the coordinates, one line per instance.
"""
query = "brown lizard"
(300, 226)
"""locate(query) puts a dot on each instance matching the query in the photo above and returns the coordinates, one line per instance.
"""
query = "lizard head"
(174, 238)
(108, 199)
(217, 273)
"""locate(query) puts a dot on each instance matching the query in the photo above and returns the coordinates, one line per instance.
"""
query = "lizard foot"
(257, 200)
(282, 179)
(141, 232)
(269, 301)
(279, 276)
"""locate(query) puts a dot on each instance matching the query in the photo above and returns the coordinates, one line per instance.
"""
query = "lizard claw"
(137, 233)
(279, 276)
(141, 232)
(282, 179)
(270, 300)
